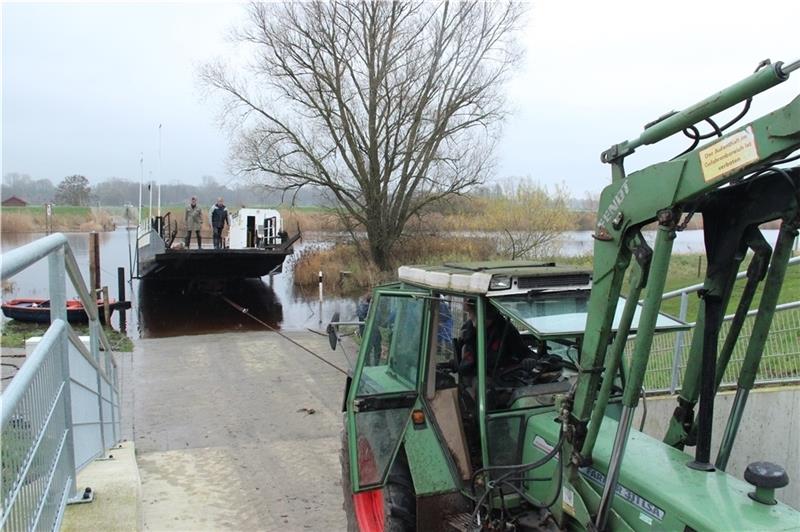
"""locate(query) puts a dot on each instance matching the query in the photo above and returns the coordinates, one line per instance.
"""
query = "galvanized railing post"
(58, 285)
(58, 311)
(94, 349)
(677, 356)
(112, 374)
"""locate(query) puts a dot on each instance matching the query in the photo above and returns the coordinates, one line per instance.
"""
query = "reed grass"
(345, 269)
(65, 218)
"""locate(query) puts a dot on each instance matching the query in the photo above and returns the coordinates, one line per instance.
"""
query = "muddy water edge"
(161, 309)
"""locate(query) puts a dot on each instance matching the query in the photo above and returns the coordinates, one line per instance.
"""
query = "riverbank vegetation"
(32, 219)
(469, 228)
(346, 269)
(16, 332)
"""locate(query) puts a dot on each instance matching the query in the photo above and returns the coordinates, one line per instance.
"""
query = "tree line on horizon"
(116, 191)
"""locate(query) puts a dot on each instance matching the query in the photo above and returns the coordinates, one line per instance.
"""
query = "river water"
(171, 309)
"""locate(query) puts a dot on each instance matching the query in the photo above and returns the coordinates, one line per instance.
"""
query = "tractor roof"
(497, 278)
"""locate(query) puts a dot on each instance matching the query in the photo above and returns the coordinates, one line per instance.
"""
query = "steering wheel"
(516, 373)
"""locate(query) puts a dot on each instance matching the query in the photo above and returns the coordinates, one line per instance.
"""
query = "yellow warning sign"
(568, 500)
(728, 154)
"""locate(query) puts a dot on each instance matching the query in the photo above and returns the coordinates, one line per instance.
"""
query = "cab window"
(392, 350)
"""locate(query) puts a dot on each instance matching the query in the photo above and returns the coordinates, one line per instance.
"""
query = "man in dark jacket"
(219, 217)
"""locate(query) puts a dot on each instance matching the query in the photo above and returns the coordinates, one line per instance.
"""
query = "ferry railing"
(780, 362)
(61, 409)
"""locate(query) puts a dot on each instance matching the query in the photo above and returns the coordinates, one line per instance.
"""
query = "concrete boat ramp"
(237, 431)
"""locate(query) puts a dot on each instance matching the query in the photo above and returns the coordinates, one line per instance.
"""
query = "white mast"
(141, 184)
(158, 177)
(150, 188)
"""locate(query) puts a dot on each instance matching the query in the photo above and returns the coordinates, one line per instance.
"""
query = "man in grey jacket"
(194, 221)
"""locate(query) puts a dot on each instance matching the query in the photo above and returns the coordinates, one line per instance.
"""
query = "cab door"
(386, 382)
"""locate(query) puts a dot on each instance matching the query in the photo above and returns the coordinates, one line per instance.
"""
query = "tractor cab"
(456, 360)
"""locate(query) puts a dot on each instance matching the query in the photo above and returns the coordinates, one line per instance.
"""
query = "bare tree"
(390, 107)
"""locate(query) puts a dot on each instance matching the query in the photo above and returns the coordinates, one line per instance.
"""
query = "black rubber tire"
(347, 487)
(399, 500)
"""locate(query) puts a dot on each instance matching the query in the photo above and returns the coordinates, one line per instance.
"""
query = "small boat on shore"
(38, 310)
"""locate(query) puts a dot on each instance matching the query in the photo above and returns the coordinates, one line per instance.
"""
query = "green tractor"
(495, 396)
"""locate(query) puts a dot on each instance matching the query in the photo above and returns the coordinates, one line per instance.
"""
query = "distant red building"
(14, 201)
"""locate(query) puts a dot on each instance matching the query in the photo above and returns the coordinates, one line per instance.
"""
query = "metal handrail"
(76, 341)
(665, 371)
(89, 302)
(23, 377)
(39, 473)
(683, 293)
(678, 346)
(18, 259)
(782, 306)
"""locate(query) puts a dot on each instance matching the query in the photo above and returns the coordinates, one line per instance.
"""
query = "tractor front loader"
(495, 396)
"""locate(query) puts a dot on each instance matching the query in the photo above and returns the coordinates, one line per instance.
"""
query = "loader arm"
(662, 192)
(637, 200)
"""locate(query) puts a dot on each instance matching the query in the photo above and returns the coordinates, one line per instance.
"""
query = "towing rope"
(246, 312)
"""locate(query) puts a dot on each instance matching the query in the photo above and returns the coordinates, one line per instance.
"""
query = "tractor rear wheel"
(390, 509)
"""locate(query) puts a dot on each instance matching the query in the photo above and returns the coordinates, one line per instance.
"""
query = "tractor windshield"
(563, 314)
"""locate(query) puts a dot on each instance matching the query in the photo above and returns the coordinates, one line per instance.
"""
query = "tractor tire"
(398, 497)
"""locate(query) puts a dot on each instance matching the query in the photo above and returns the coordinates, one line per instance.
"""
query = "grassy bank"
(16, 332)
(683, 272)
(32, 219)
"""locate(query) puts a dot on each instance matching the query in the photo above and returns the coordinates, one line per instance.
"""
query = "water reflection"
(170, 309)
(180, 308)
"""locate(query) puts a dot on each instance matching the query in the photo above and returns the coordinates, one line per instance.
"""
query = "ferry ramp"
(237, 431)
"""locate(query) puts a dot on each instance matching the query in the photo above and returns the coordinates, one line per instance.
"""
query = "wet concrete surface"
(223, 435)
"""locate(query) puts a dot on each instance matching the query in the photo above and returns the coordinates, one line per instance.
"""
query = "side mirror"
(333, 336)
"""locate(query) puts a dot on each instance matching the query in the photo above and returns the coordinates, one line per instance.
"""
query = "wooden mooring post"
(94, 262)
(320, 297)
(123, 323)
(106, 306)
(98, 292)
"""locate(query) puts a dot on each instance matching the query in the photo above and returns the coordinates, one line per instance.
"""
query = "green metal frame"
(359, 369)
(643, 196)
(659, 192)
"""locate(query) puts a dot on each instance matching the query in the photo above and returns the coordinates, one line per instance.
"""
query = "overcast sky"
(86, 85)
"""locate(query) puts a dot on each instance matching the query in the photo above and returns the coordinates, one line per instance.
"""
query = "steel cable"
(246, 312)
